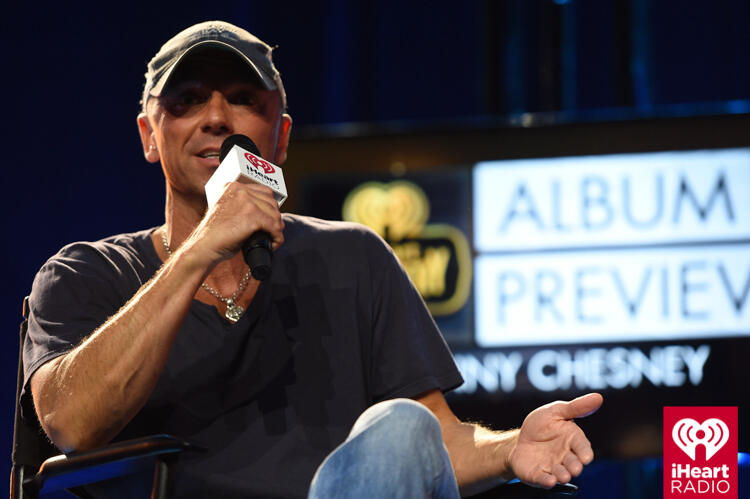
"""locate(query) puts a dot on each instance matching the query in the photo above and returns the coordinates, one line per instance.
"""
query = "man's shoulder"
(114, 250)
(127, 239)
(345, 246)
(300, 226)
(107, 270)
(111, 243)
(333, 237)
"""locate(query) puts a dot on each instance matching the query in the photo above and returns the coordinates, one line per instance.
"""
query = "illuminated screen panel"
(613, 295)
(627, 274)
(633, 247)
(616, 200)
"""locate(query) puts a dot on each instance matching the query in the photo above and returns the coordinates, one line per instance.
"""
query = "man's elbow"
(64, 434)
(57, 414)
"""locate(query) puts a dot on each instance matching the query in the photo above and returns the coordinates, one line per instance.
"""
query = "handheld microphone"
(241, 161)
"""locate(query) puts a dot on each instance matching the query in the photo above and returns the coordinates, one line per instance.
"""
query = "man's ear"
(282, 143)
(148, 140)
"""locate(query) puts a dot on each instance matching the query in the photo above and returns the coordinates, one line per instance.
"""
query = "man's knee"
(399, 439)
(402, 420)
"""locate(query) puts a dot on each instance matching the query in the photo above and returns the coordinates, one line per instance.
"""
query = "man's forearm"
(85, 397)
(549, 447)
(479, 456)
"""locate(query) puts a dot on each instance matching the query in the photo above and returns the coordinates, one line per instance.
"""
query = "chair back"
(30, 444)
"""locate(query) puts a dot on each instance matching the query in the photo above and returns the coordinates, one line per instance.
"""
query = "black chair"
(38, 467)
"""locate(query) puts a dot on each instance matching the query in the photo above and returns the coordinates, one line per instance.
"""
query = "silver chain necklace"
(234, 311)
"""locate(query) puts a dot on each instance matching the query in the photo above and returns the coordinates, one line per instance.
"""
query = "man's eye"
(244, 100)
(189, 99)
(182, 102)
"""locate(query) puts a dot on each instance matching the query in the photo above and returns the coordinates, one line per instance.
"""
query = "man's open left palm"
(551, 448)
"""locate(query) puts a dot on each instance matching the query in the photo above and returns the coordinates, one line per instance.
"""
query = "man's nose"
(217, 115)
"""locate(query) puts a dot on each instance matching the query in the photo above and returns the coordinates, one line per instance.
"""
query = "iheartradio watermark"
(700, 452)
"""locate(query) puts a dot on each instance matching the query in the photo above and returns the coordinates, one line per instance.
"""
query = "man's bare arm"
(86, 396)
(547, 449)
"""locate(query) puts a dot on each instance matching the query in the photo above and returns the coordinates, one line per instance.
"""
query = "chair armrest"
(566, 489)
(515, 489)
(117, 459)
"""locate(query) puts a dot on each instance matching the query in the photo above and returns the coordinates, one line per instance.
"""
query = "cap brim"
(268, 82)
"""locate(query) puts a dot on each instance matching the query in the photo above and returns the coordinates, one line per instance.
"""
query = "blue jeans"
(395, 450)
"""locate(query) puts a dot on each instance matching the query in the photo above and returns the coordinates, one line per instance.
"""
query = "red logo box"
(700, 452)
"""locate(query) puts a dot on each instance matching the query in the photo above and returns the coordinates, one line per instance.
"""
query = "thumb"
(581, 406)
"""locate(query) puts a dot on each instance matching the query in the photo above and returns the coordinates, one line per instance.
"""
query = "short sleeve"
(410, 355)
(73, 293)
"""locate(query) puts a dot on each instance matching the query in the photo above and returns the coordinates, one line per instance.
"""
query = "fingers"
(563, 472)
(242, 210)
(581, 406)
(572, 464)
(581, 447)
(562, 475)
(546, 480)
(258, 194)
(270, 217)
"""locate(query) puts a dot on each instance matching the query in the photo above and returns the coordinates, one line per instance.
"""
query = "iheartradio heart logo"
(259, 163)
(713, 433)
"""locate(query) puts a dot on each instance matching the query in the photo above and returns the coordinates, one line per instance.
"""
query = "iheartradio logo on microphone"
(700, 452)
(259, 163)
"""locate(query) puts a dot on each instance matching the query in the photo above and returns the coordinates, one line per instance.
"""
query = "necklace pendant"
(234, 311)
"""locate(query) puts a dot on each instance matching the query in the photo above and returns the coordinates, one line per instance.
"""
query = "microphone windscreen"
(237, 140)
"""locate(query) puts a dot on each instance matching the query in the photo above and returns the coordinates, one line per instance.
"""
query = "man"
(165, 330)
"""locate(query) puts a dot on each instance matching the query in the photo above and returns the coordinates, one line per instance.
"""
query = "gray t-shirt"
(336, 328)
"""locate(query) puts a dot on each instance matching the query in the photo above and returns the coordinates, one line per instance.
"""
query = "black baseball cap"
(212, 35)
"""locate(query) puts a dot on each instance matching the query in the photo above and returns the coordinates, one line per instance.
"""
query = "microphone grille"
(237, 140)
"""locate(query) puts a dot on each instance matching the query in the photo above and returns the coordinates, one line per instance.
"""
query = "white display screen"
(630, 247)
